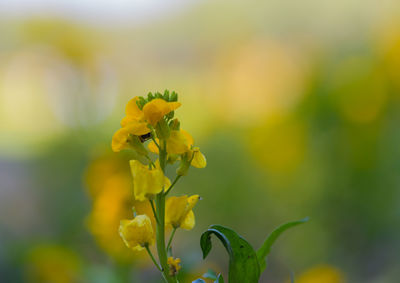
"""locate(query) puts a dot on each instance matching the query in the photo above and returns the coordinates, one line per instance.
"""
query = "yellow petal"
(192, 200)
(174, 266)
(153, 147)
(155, 110)
(137, 232)
(137, 128)
(177, 143)
(189, 221)
(146, 182)
(175, 209)
(178, 211)
(120, 139)
(199, 160)
(132, 110)
(126, 120)
(189, 138)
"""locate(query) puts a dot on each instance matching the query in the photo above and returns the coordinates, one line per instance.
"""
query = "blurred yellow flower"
(179, 213)
(157, 108)
(137, 233)
(321, 274)
(279, 144)
(110, 205)
(174, 266)
(53, 263)
(147, 182)
(109, 184)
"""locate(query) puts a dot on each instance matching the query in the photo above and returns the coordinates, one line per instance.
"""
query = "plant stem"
(173, 183)
(170, 238)
(160, 231)
(154, 210)
(152, 257)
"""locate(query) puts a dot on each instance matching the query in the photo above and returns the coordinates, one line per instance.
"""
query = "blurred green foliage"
(296, 119)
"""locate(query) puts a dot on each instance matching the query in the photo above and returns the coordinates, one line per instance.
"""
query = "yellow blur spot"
(321, 274)
(279, 145)
(52, 263)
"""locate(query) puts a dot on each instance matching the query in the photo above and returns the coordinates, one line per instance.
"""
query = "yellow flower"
(179, 213)
(174, 266)
(156, 109)
(137, 233)
(133, 112)
(181, 142)
(53, 263)
(147, 182)
(321, 273)
(136, 122)
(122, 140)
(198, 158)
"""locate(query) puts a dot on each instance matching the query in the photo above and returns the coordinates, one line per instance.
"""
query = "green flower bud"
(162, 130)
(175, 125)
(166, 95)
(184, 166)
(174, 96)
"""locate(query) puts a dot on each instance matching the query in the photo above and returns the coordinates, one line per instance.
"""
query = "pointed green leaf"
(220, 279)
(265, 249)
(243, 263)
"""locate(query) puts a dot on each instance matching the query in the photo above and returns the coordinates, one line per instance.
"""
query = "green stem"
(154, 210)
(170, 238)
(152, 257)
(155, 142)
(173, 183)
(160, 231)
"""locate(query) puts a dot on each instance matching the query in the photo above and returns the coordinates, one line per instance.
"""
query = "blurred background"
(296, 105)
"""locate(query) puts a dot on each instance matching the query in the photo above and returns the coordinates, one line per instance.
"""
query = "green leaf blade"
(265, 249)
(243, 263)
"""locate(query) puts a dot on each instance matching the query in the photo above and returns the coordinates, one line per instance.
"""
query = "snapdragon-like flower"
(174, 266)
(147, 182)
(155, 110)
(137, 122)
(180, 142)
(137, 233)
(128, 136)
(179, 213)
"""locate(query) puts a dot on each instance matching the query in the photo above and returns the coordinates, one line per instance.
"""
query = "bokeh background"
(296, 105)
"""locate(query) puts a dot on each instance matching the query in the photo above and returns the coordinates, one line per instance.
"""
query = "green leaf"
(210, 275)
(265, 249)
(243, 263)
(220, 279)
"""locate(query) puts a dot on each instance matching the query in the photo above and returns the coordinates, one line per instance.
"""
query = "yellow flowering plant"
(150, 129)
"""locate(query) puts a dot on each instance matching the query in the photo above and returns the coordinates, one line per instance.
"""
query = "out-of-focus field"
(296, 105)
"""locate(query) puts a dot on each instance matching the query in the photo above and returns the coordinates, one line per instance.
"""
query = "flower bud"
(137, 233)
(173, 96)
(184, 165)
(175, 125)
(162, 130)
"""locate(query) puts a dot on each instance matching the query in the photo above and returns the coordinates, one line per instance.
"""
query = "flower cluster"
(150, 131)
